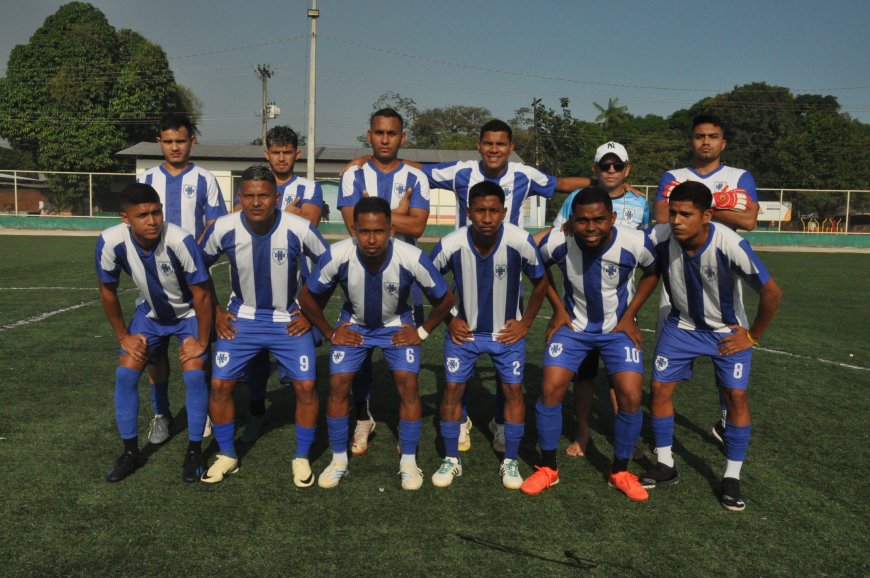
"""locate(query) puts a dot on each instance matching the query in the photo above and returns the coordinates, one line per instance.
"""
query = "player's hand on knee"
(560, 318)
(223, 325)
(406, 336)
(512, 332)
(733, 200)
(136, 346)
(299, 324)
(190, 349)
(459, 331)
(740, 340)
(344, 335)
(630, 328)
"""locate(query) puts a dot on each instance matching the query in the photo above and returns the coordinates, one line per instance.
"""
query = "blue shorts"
(459, 360)
(678, 348)
(294, 353)
(568, 348)
(346, 359)
(158, 333)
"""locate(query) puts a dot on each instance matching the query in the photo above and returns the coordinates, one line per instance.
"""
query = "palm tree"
(612, 115)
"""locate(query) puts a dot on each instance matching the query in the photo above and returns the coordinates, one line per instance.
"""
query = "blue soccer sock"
(513, 435)
(450, 435)
(663, 433)
(304, 439)
(336, 428)
(160, 398)
(549, 421)
(197, 403)
(736, 441)
(127, 402)
(409, 436)
(225, 434)
(626, 430)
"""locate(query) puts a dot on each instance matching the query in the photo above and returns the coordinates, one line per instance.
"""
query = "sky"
(655, 57)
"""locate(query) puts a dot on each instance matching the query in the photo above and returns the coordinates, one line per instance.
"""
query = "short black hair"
(590, 196)
(708, 118)
(137, 194)
(259, 173)
(282, 136)
(175, 121)
(697, 193)
(485, 189)
(496, 125)
(371, 205)
(388, 113)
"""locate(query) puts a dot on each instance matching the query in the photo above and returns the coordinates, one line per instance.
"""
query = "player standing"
(406, 189)
(167, 268)
(266, 249)
(735, 200)
(191, 199)
(702, 263)
(487, 259)
(596, 312)
(375, 272)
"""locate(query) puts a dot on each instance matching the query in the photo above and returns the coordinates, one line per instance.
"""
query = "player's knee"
(221, 389)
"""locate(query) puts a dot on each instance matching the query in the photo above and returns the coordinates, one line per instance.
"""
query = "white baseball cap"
(611, 148)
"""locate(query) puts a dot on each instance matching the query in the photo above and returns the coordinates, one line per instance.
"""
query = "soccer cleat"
(361, 433)
(659, 475)
(303, 477)
(125, 465)
(412, 476)
(207, 430)
(252, 428)
(333, 474)
(158, 431)
(627, 483)
(450, 468)
(465, 435)
(718, 432)
(730, 496)
(222, 467)
(543, 479)
(497, 430)
(193, 467)
(510, 474)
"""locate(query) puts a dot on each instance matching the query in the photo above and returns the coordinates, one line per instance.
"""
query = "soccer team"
(283, 273)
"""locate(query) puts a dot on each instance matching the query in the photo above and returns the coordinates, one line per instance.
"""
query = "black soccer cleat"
(730, 496)
(659, 475)
(193, 467)
(125, 465)
(718, 432)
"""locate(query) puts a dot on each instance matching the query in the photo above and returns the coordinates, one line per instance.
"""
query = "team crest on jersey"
(165, 268)
(508, 191)
(189, 191)
(279, 256)
(391, 289)
(337, 357)
(661, 362)
(452, 364)
(221, 358)
(500, 270)
(719, 186)
(628, 215)
(609, 270)
(709, 272)
(555, 349)
(399, 189)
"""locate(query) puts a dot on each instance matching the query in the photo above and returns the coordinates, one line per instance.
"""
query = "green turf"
(805, 479)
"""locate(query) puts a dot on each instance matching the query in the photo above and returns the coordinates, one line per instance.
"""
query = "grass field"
(805, 480)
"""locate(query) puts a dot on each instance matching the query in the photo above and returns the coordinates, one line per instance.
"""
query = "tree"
(454, 127)
(611, 116)
(79, 91)
(403, 105)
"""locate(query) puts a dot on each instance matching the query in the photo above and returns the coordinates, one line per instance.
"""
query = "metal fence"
(95, 194)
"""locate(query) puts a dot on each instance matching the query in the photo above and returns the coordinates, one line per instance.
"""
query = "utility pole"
(313, 14)
(535, 103)
(264, 73)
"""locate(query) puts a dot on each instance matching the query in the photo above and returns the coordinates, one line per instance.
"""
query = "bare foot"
(578, 448)
(575, 450)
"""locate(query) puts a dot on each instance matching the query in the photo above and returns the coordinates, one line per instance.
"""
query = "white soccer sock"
(339, 457)
(666, 458)
(408, 459)
(732, 469)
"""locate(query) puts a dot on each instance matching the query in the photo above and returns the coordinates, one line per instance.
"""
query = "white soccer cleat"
(303, 477)
(333, 474)
(510, 474)
(412, 476)
(465, 435)
(361, 433)
(497, 430)
(450, 468)
(207, 431)
(222, 467)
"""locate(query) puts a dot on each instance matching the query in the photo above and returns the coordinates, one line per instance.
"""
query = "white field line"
(46, 315)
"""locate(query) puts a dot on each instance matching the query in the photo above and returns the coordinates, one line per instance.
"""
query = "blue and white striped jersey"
(190, 200)
(265, 270)
(598, 285)
(704, 288)
(382, 299)
(163, 274)
(391, 187)
(631, 209)
(309, 192)
(720, 180)
(518, 182)
(489, 289)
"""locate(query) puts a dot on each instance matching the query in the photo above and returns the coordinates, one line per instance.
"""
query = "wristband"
(332, 336)
(752, 340)
(422, 333)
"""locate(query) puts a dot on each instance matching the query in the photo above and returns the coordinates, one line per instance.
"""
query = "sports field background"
(805, 480)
